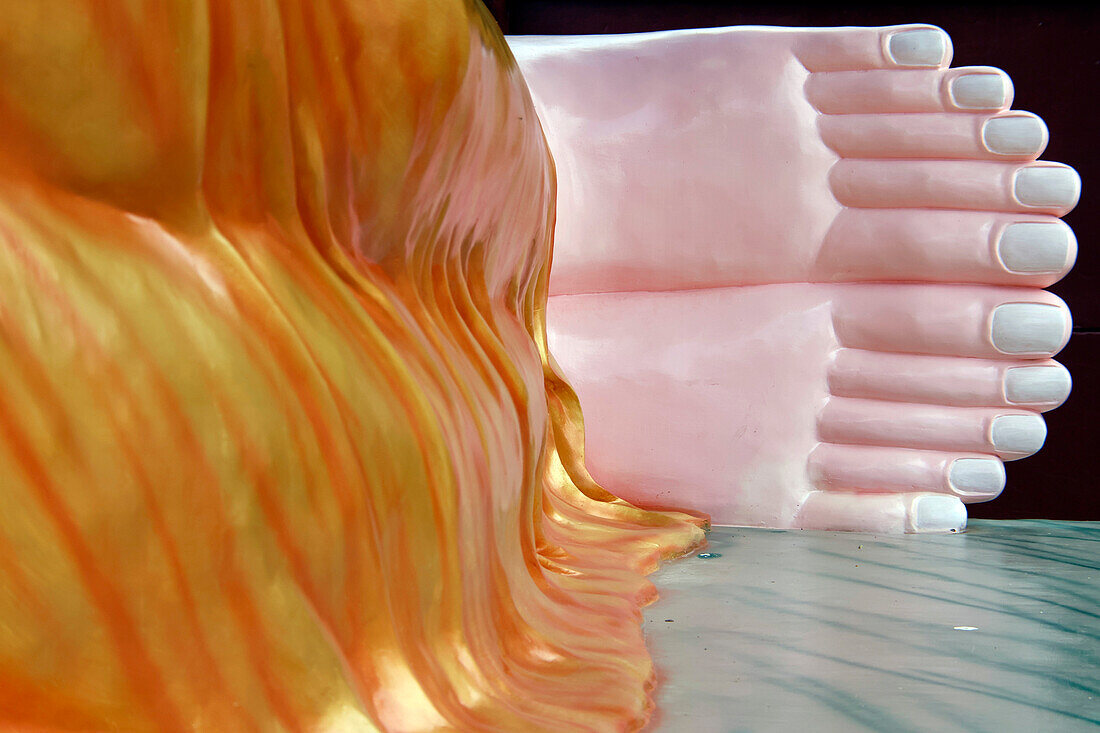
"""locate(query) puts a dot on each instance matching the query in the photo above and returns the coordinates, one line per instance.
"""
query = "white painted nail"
(1047, 186)
(938, 513)
(1026, 328)
(1018, 433)
(1017, 135)
(979, 91)
(921, 47)
(977, 476)
(1035, 246)
(1037, 385)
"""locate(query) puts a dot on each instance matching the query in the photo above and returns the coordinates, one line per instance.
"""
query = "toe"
(972, 477)
(882, 513)
(1029, 328)
(1017, 435)
(976, 89)
(1040, 386)
(943, 380)
(1049, 188)
(919, 245)
(1016, 135)
(907, 47)
(896, 47)
(1010, 136)
(952, 320)
(976, 478)
(966, 89)
(1035, 247)
(928, 513)
(1007, 432)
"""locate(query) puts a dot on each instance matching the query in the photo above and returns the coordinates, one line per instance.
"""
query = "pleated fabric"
(281, 443)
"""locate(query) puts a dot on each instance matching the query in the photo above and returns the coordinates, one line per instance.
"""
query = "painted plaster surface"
(797, 271)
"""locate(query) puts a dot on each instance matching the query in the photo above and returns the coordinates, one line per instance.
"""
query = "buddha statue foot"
(797, 275)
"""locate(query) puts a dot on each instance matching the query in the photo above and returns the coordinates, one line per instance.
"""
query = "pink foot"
(783, 271)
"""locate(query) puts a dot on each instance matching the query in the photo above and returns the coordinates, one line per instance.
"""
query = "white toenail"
(1018, 433)
(979, 91)
(1017, 135)
(923, 47)
(934, 513)
(977, 476)
(1035, 246)
(1025, 328)
(1028, 385)
(1047, 186)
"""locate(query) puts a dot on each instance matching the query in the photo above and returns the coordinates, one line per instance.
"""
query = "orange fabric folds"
(281, 445)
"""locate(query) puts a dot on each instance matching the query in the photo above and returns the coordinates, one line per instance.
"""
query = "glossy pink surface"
(779, 259)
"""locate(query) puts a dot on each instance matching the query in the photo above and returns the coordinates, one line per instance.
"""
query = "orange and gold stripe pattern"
(281, 444)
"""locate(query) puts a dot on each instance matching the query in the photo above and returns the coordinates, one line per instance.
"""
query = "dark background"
(1053, 57)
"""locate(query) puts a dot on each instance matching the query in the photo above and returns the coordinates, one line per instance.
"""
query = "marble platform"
(996, 629)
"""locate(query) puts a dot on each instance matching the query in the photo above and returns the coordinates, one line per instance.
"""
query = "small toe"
(935, 513)
(1049, 188)
(1035, 247)
(1039, 385)
(1016, 135)
(1018, 435)
(1010, 136)
(1043, 386)
(978, 89)
(978, 479)
(920, 47)
(1029, 328)
(882, 513)
(1007, 432)
(894, 47)
(969, 89)
(972, 477)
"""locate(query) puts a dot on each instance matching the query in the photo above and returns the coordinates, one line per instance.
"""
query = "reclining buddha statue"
(282, 442)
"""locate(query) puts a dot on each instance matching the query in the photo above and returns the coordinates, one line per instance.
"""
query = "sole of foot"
(797, 271)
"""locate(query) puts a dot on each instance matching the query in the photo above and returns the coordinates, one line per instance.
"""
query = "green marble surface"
(996, 629)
